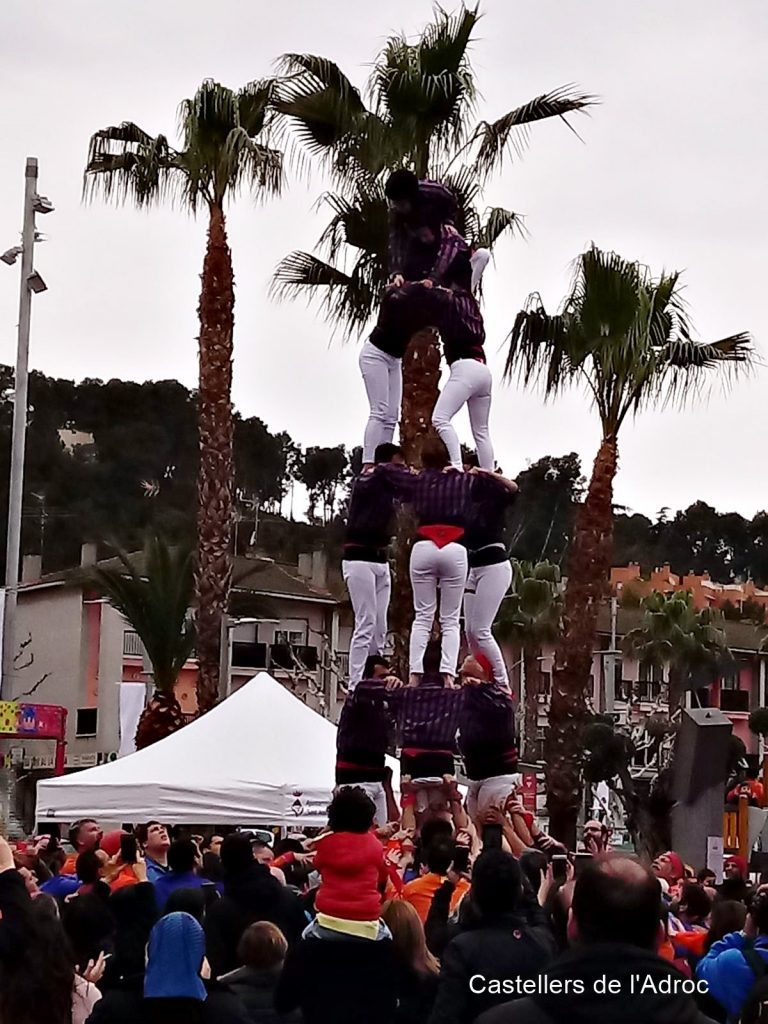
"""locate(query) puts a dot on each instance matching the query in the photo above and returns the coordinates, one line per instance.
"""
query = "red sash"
(440, 535)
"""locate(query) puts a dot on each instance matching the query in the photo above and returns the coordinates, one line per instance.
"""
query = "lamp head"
(11, 255)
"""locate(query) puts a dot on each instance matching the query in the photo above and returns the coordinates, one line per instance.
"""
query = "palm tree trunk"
(421, 380)
(589, 565)
(215, 475)
(532, 668)
(161, 717)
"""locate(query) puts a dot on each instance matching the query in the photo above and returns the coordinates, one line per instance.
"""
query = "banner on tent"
(301, 805)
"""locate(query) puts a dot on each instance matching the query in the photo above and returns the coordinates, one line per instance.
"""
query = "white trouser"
(433, 567)
(479, 260)
(486, 589)
(484, 795)
(470, 383)
(369, 585)
(383, 379)
(375, 790)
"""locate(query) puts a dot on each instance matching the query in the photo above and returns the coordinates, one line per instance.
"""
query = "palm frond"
(249, 163)
(320, 112)
(540, 348)
(495, 138)
(426, 89)
(348, 299)
(156, 603)
(125, 162)
(255, 106)
(497, 222)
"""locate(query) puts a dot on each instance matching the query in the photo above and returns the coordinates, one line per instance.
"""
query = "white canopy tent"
(261, 757)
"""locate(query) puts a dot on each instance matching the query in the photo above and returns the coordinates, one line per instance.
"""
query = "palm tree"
(155, 598)
(676, 636)
(223, 151)
(626, 337)
(530, 616)
(421, 115)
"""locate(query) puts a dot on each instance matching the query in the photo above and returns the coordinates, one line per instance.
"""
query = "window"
(294, 637)
(86, 721)
(650, 681)
(132, 644)
(731, 678)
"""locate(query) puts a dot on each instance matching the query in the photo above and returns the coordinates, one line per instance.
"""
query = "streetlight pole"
(18, 437)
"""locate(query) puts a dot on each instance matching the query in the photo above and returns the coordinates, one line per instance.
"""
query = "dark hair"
(439, 856)
(142, 832)
(187, 901)
(90, 927)
(727, 916)
(351, 810)
(182, 855)
(262, 947)
(695, 900)
(374, 661)
(402, 184)
(134, 910)
(616, 899)
(533, 864)
(74, 831)
(470, 458)
(434, 454)
(434, 830)
(211, 868)
(384, 453)
(88, 867)
(497, 882)
(704, 874)
(36, 982)
(236, 853)
(288, 845)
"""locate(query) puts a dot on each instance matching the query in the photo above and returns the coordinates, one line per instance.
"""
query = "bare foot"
(449, 681)
(414, 679)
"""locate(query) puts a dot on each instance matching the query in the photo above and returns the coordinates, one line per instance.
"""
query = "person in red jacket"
(350, 859)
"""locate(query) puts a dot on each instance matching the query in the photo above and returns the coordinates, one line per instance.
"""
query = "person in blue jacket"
(733, 965)
(183, 861)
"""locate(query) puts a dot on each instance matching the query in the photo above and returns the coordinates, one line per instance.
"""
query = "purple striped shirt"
(442, 499)
(370, 520)
(366, 729)
(429, 717)
(487, 732)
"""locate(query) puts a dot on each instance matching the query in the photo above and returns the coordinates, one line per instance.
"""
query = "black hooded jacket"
(250, 895)
(586, 1002)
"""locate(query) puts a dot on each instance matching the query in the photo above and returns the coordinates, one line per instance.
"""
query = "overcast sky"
(672, 171)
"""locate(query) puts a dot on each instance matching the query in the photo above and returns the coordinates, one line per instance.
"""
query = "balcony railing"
(132, 645)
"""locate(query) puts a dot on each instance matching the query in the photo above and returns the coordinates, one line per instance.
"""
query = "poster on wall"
(32, 720)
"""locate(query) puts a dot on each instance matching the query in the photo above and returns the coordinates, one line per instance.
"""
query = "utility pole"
(33, 203)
